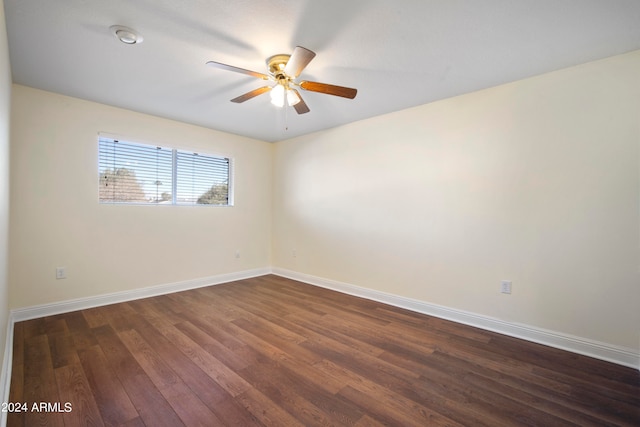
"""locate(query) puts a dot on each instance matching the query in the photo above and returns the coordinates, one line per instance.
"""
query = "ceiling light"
(277, 95)
(292, 98)
(125, 34)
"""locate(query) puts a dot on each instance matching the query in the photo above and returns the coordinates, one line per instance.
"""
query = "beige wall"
(5, 104)
(57, 220)
(535, 182)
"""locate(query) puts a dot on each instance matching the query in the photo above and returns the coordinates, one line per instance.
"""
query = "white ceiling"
(397, 53)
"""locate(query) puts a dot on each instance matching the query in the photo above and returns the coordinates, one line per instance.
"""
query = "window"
(147, 174)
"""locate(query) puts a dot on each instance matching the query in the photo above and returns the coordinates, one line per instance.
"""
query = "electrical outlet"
(505, 286)
(237, 253)
(294, 253)
(61, 273)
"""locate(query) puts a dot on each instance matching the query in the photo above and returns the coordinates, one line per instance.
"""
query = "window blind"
(139, 173)
(201, 179)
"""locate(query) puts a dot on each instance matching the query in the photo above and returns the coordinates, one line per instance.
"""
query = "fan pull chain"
(286, 118)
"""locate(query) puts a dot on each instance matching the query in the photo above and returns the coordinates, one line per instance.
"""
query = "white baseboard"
(34, 312)
(610, 353)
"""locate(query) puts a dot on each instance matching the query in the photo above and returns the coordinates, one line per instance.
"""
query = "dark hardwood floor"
(272, 351)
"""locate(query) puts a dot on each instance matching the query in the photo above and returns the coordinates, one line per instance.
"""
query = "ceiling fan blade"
(247, 96)
(345, 92)
(237, 70)
(299, 59)
(301, 107)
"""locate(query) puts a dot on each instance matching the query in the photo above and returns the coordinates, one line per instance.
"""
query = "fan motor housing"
(276, 64)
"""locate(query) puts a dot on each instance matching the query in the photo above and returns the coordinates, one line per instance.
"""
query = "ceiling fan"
(284, 70)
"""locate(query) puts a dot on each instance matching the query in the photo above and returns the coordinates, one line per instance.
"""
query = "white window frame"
(175, 152)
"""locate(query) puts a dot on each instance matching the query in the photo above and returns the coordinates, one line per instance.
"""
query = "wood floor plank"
(81, 332)
(112, 400)
(187, 405)
(218, 400)
(394, 410)
(270, 351)
(491, 388)
(235, 359)
(450, 396)
(156, 369)
(214, 325)
(265, 410)
(75, 396)
(218, 371)
(276, 383)
(62, 350)
(55, 325)
(151, 406)
(191, 410)
(315, 330)
(94, 317)
(33, 327)
(367, 421)
(312, 404)
(275, 338)
(39, 383)
(373, 368)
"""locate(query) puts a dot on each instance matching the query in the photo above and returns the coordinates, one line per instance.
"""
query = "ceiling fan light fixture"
(126, 35)
(292, 98)
(277, 95)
